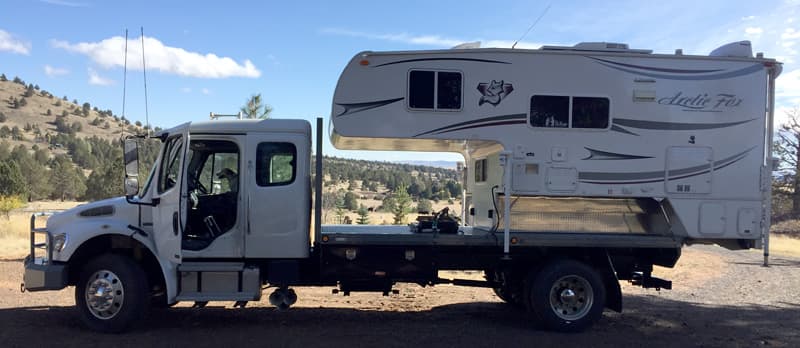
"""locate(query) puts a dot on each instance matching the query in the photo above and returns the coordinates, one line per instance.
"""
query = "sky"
(204, 57)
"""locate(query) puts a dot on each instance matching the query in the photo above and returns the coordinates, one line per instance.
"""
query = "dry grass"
(15, 231)
(784, 246)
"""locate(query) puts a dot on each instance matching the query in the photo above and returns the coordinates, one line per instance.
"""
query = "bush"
(9, 203)
(3, 117)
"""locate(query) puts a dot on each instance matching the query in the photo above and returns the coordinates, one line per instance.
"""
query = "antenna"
(124, 75)
(532, 25)
(144, 71)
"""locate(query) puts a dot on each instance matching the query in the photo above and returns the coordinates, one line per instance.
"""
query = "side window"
(420, 89)
(275, 164)
(569, 112)
(434, 90)
(588, 112)
(550, 111)
(220, 172)
(480, 170)
(170, 165)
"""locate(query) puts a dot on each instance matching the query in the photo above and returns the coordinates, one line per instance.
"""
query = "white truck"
(586, 165)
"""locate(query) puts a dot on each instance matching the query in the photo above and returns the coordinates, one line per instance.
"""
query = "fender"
(78, 232)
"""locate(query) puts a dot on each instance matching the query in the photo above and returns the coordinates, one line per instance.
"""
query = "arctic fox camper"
(585, 165)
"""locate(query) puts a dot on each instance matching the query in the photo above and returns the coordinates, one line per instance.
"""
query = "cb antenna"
(124, 75)
(144, 71)
(532, 25)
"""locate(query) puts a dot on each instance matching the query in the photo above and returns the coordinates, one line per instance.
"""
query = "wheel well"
(120, 245)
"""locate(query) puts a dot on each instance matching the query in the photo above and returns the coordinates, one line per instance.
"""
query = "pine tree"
(363, 216)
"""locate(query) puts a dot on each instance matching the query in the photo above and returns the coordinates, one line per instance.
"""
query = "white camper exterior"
(595, 122)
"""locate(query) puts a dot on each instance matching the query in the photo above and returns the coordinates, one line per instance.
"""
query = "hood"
(103, 208)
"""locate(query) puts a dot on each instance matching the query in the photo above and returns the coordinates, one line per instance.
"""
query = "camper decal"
(702, 102)
(494, 92)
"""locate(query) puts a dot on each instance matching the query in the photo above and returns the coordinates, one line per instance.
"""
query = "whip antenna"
(144, 71)
(124, 75)
(532, 25)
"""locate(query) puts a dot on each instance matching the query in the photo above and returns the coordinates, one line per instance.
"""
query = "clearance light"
(514, 240)
(325, 238)
(364, 62)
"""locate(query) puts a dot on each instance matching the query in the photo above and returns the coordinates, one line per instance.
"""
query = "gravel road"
(720, 299)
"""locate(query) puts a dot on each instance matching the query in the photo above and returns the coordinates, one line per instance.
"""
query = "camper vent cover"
(597, 47)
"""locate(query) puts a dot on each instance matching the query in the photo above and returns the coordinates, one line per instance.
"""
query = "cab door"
(278, 195)
(169, 215)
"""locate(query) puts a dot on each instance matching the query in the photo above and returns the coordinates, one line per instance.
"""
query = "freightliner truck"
(585, 165)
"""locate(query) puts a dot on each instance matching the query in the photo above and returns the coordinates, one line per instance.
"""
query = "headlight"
(59, 241)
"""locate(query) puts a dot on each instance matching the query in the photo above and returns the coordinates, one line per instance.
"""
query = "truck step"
(211, 267)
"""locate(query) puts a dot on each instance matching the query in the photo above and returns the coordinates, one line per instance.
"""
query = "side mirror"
(131, 158)
(131, 186)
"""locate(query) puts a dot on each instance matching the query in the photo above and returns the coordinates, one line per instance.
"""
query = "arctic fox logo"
(494, 92)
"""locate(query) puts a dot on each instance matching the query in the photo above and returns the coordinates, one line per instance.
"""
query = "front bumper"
(41, 275)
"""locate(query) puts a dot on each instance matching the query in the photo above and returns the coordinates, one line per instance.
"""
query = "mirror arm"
(154, 202)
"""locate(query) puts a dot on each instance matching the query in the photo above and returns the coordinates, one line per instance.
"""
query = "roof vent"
(734, 49)
(467, 45)
(597, 47)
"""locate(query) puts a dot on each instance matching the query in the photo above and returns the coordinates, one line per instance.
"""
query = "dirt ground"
(720, 299)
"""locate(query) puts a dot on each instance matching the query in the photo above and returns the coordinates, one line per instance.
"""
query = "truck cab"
(221, 191)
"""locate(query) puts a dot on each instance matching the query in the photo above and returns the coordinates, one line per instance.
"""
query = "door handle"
(175, 223)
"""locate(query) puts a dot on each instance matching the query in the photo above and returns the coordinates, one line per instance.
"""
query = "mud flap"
(613, 290)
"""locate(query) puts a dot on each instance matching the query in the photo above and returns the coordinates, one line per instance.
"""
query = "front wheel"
(111, 294)
(566, 295)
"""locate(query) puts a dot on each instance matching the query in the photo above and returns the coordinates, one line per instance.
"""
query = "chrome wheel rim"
(571, 297)
(104, 294)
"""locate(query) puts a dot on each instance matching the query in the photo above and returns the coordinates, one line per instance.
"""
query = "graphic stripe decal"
(446, 59)
(679, 71)
(596, 155)
(641, 124)
(352, 108)
(714, 76)
(488, 121)
(616, 128)
(657, 176)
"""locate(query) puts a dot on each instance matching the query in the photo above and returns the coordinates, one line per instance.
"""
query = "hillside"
(55, 148)
(35, 112)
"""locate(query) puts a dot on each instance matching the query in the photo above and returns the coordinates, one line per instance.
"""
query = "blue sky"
(210, 57)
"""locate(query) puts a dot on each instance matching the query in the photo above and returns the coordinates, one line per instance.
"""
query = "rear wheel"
(112, 293)
(566, 295)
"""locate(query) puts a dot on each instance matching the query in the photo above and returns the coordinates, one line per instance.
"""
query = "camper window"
(420, 89)
(588, 112)
(434, 90)
(550, 111)
(448, 90)
(275, 164)
(480, 170)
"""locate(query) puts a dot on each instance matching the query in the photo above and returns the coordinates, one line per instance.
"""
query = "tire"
(510, 293)
(112, 293)
(566, 296)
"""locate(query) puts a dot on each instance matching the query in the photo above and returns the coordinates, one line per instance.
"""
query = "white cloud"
(9, 43)
(756, 31)
(109, 53)
(748, 18)
(205, 91)
(64, 3)
(53, 72)
(96, 79)
(186, 90)
(424, 40)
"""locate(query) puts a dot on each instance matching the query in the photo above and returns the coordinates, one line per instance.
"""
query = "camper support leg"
(767, 173)
(505, 163)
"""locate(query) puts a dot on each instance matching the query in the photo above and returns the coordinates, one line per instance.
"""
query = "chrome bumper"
(42, 273)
